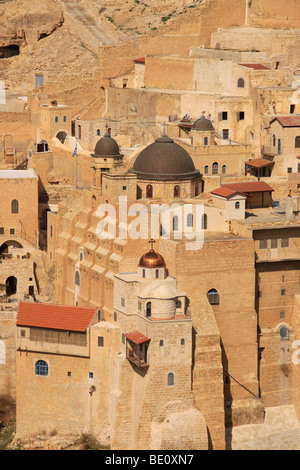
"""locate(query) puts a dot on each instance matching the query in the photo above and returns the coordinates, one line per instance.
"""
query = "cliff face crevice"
(24, 22)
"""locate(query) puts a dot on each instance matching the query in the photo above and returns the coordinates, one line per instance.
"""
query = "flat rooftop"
(17, 174)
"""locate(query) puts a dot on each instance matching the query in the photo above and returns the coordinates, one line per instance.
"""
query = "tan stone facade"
(218, 328)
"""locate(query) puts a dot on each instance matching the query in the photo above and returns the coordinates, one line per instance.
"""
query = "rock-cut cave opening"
(9, 51)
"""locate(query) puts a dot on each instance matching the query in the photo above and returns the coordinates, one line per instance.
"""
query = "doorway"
(11, 286)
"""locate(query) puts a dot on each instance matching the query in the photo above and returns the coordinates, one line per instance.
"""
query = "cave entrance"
(9, 51)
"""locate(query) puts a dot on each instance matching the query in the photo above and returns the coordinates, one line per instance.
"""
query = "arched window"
(14, 207)
(79, 132)
(224, 169)
(205, 140)
(144, 273)
(98, 132)
(237, 205)
(157, 273)
(41, 368)
(215, 168)
(204, 222)
(65, 118)
(189, 220)
(148, 309)
(213, 297)
(176, 191)
(274, 140)
(175, 223)
(284, 333)
(297, 142)
(206, 170)
(241, 83)
(149, 191)
(56, 118)
(77, 278)
(170, 378)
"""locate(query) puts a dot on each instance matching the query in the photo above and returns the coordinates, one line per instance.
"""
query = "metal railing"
(6, 233)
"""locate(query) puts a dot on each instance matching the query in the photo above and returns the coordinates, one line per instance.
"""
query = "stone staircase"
(44, 284)
(78, 16)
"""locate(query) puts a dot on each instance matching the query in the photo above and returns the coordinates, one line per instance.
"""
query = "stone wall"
(7, 354)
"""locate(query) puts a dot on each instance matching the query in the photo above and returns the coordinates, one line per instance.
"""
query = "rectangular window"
(282, 291)
(263, 244)
(241, 116)
(100, 341)
(124, 188)
(224, 115)
(274, 243)
(1, 230)
(285, 242)
(12, 231)
(226, 134)
(290, 170)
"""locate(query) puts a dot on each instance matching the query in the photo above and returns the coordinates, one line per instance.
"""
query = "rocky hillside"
(64, 35)
(140, 16)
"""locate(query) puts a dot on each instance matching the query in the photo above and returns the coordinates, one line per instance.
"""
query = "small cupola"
(152, 265)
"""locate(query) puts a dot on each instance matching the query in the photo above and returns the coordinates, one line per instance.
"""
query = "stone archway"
(4, 248)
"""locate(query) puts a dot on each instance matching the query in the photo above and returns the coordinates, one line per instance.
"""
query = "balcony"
(136, 349)
(269, 150)
(136, 359)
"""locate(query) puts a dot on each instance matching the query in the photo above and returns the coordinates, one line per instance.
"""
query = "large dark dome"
(107, 147)
(164, 160)
(203, 124)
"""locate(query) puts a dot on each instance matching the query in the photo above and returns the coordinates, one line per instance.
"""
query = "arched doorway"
(11, 285)
(62, 135)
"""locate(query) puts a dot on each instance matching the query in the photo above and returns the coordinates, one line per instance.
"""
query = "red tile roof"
(256, 66)
(288, 121)
(137, 337)
(259, 162)
(249, 187)
(223, 192)
(140, 61)
(54, 316)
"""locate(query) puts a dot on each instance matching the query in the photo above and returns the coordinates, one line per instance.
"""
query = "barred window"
(14, 207)
(171, 378)
(213, 297)
(41, 368)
